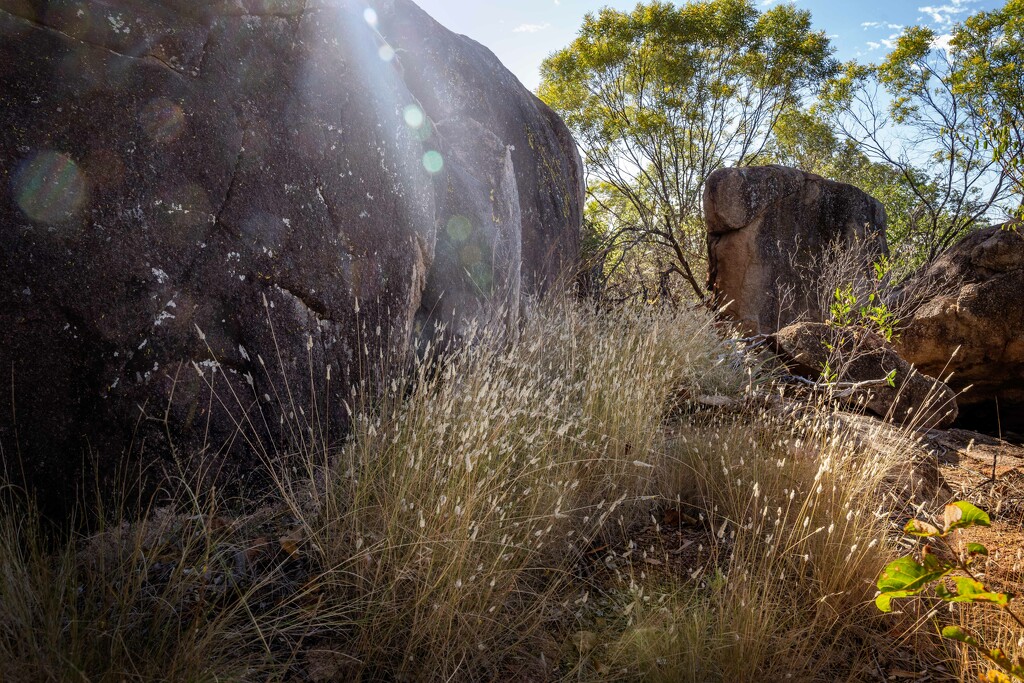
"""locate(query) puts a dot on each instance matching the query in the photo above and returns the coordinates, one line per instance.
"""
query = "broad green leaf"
(905, 577)
(961, 515)
(977, 549)
(884, 600)
(931, 562)
(944, 593)
(969, 590)
(959, 634)
(1001, 659)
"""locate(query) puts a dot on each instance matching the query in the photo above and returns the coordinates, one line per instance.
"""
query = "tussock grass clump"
(469, 495)
(132, 603)
(481, 508)
(796, 515)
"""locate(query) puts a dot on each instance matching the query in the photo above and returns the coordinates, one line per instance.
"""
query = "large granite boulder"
(867, 372)
(770, 232)
(971, 326)
(207, 208)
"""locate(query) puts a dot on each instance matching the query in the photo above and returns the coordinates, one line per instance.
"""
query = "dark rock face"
(974, 327)
(859, 356)
(200, 202)
(769, 228)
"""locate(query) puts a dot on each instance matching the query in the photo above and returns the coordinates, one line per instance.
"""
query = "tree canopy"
(662, 96)
(989, 74)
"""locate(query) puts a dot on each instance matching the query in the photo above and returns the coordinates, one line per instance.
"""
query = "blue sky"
(523, 32)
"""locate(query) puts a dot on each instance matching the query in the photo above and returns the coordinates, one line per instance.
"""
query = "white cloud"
(881, 24)
(888, 43)
(530, 28)
(946, 14)
(942, 42)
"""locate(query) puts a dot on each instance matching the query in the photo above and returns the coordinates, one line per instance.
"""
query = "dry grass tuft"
(481, 514)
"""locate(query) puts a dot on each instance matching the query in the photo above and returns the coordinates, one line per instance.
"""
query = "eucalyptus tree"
(990, 76)
(944, 111)
(662, 96)
(805, 140)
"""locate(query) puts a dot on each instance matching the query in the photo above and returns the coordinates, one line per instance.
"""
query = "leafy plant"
(662, 95)
(847, 311)
(954, 580)
(844, 306)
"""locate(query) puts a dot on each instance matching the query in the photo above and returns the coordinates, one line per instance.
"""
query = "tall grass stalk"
(449, 537)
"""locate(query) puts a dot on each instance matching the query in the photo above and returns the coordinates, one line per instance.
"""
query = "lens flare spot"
(482, 276)
(459, 228)
(386, 52)
(49, 187)
(162, 120)
(370, 16)
(433, 161)
(414, 117)
(470, 256)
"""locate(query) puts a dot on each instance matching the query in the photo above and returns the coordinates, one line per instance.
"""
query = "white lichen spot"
(117, 23)
(160, 275)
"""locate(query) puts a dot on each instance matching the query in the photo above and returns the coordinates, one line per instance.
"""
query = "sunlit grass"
(453, 535)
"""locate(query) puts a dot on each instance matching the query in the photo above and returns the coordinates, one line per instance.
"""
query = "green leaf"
(961, 515)
(1001, 659)
(969, 590)
(959, 634)
(931, 562)
(905, 577)
(976, 549)
(916, 527)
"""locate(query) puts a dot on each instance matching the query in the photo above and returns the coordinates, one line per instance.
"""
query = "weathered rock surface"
(980, 453)
(348, 174)
(856, 356)
(980, 318)
(769, 228)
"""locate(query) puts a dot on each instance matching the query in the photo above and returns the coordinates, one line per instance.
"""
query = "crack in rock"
(149, 57)
(232, 183)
